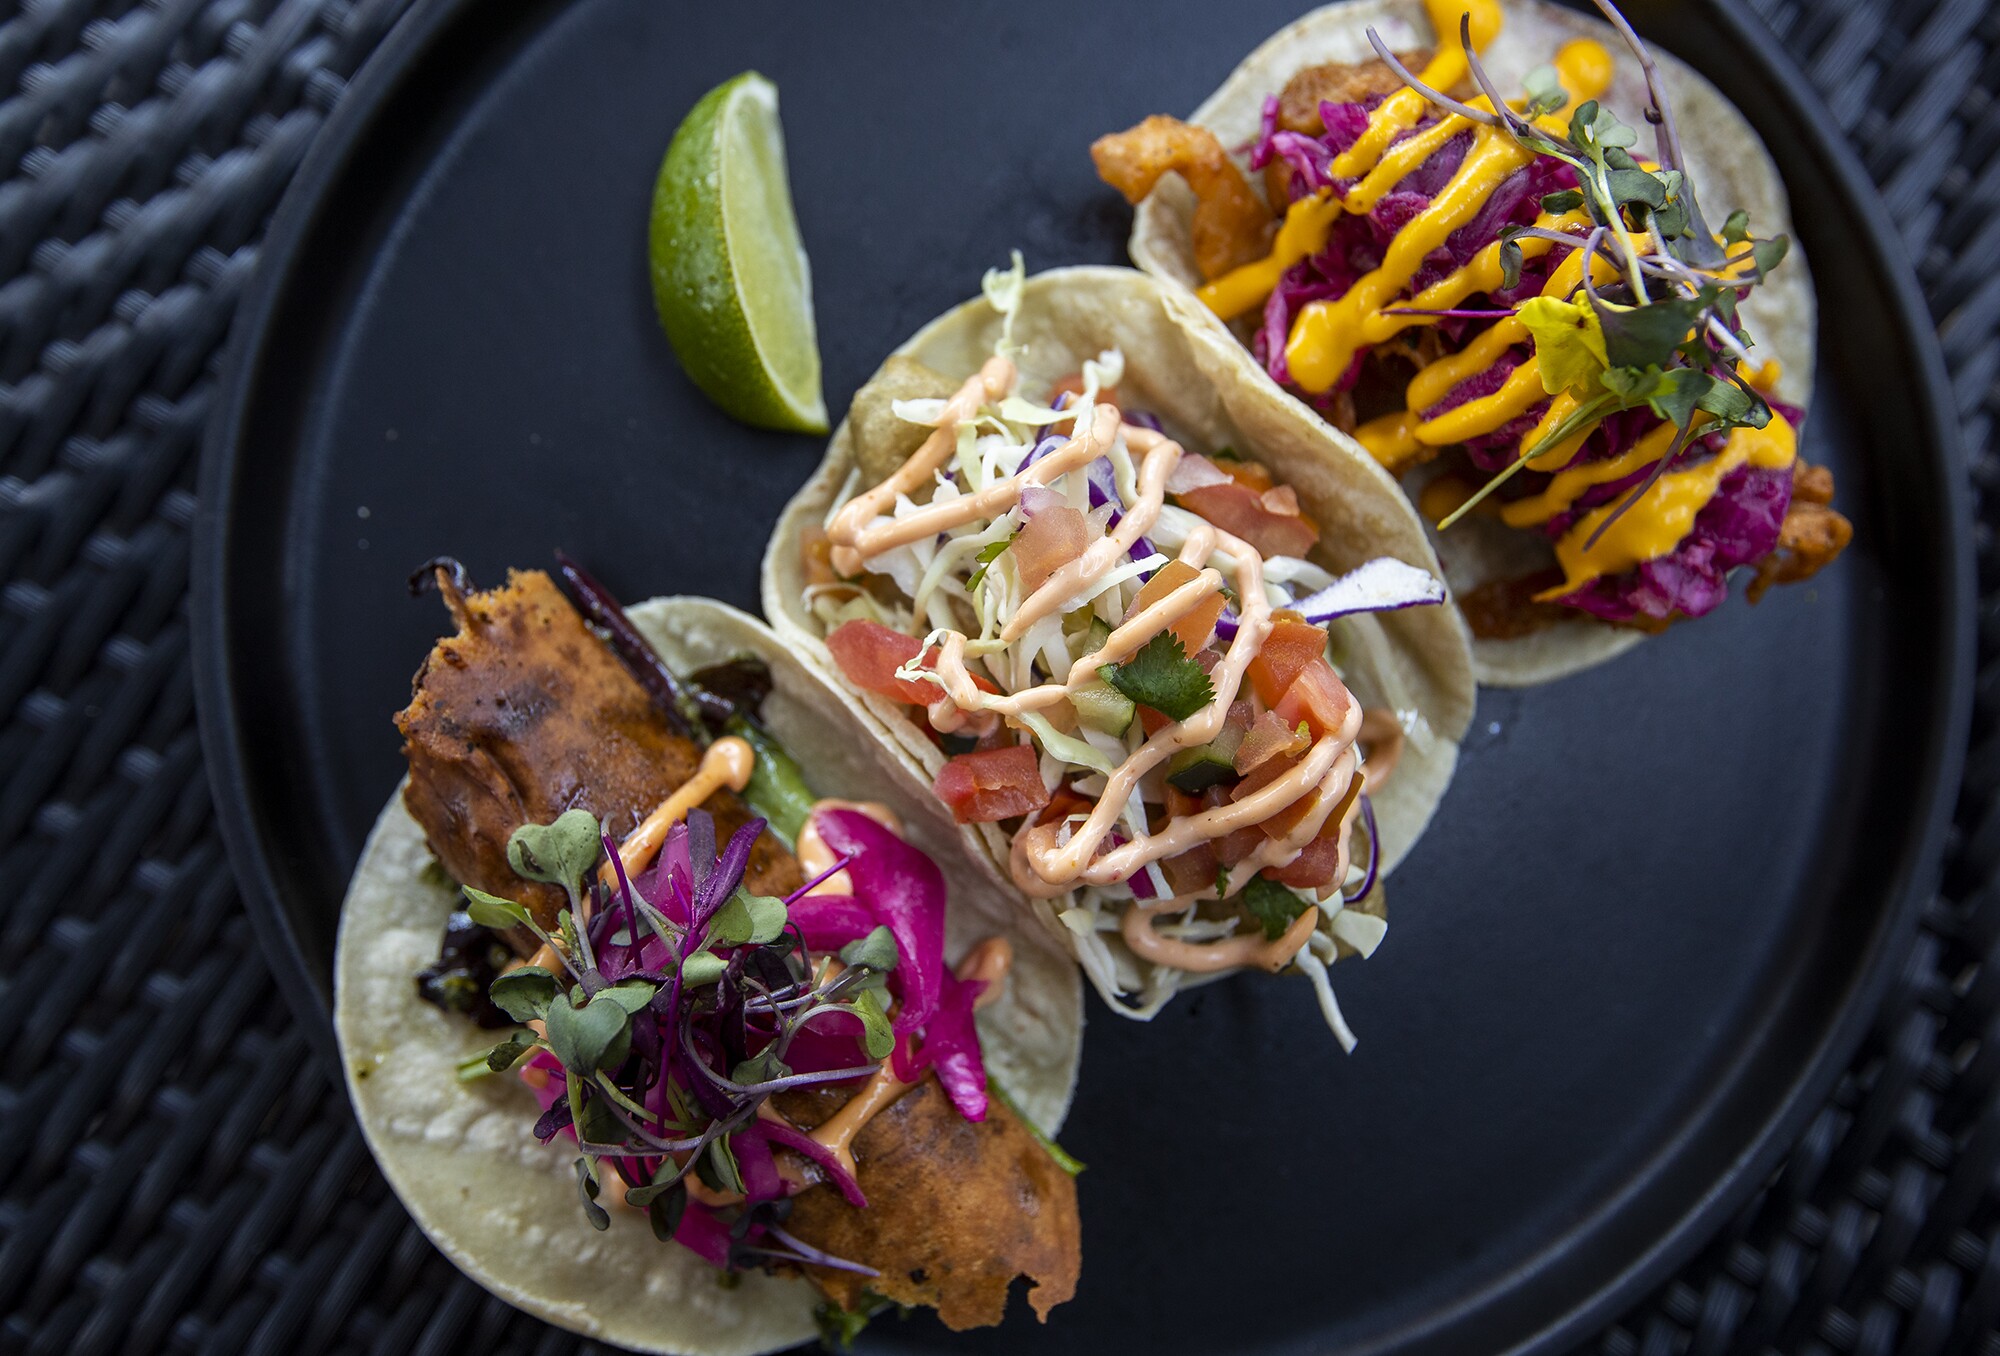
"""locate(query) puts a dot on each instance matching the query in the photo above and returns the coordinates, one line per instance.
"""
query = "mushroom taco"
(1139, 624)
(745, 1086)
(1396, 230)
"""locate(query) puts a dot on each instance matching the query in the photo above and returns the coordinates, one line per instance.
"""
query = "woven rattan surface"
(177, 1173)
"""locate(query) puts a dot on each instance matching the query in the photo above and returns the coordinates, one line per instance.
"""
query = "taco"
(1131, 617)
(791, 1108)
(1602, 452)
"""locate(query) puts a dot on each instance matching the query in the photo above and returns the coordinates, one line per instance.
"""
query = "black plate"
(1644, 933)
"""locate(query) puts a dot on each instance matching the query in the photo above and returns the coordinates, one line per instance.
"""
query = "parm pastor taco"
(1406, 253)
(1129, 616)
(774, 1057)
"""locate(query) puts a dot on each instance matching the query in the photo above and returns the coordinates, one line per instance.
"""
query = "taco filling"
(1122, 651)
(732, 1000)
(1408, 255)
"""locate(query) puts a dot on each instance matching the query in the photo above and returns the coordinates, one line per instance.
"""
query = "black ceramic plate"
(1640, 939)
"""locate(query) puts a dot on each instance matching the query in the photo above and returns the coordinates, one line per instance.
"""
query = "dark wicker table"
(177, 1172)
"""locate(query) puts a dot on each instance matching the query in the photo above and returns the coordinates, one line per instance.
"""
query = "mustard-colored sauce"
(1655, 525)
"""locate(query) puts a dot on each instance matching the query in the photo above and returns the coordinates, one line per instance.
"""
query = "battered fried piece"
(1339, 82)
(525, 714)
(1331, 82)
(1232, 225)
(1811, 536)
(955, 1211)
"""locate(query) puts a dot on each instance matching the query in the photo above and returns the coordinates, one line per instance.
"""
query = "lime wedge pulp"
(730, 276)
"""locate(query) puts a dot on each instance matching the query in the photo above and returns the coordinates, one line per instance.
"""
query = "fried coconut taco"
(760, 1078)
(1601, 451)
(1130, 617)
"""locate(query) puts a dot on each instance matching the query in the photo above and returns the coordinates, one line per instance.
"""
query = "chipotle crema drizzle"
(1051, 859)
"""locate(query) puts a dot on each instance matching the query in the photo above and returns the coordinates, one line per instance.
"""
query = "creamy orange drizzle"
(815, 856)
(988, 962)
(728, 762)
(1382, 737)
(1050, 859)
(1246, 949)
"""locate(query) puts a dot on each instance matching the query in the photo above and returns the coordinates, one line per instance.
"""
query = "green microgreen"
(1667, 335)
(670, 1036)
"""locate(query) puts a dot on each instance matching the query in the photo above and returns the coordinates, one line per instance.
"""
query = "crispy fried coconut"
(1232, 225)
(1339, 82)
(1330, 82)
(525, 714)
(955, 1211)
(1811, 535)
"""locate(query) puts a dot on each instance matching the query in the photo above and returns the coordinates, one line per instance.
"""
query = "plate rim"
(322, 176)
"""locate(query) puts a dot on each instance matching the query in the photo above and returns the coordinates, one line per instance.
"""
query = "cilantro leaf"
(987, 555)
(1163, 677)
(1271, 905)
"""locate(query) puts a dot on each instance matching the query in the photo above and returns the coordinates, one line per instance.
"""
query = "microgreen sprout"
(1654, 315)
(681, 1000)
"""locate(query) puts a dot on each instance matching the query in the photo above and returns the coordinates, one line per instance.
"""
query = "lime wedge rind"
(730, 275)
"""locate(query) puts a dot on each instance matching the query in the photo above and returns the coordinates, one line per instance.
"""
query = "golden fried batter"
(955, 1211)
(1811, 536)
(525, 714)
(1339, 82)
(1232, 225)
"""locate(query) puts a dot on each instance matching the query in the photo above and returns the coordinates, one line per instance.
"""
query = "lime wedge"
(730, 276)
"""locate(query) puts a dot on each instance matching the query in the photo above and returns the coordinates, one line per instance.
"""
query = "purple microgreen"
(819, 880)
(1652, 478)
(805, 1252)
(1441, 99)
(1580, 416)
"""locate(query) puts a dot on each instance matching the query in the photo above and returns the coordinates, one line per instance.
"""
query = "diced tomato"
(1319, 698)
(1269, 521)
(993, 784)
(869, 654)
(1191, 870)
(1050, 540)
(1291, 816)
(1270, 737)
(1192, 628)
(1151, 721)
(1234, 847)
(1313, 868)
(1292, 644)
